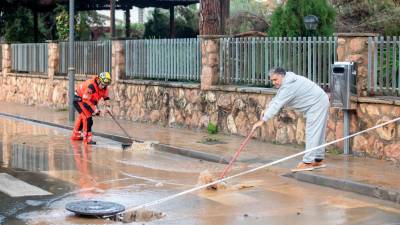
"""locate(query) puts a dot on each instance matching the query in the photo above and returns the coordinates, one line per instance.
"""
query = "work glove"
(108, 107)
(96, 113)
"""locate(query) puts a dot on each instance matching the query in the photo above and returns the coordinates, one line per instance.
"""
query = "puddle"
(142, 215)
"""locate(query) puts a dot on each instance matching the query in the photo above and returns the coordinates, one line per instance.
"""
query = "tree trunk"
(225, 4)
(210, 19)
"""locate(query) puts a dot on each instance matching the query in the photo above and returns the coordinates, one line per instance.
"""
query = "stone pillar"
(118, 60)
(209, 61)
(53, 59)
(6, 61)
(354, 47)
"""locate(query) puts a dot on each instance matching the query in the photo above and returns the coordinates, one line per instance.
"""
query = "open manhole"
(95, 208)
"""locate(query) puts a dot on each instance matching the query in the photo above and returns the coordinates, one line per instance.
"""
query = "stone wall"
(34, 90)
(384, 142)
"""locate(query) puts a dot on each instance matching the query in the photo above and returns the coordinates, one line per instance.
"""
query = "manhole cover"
(94, 208)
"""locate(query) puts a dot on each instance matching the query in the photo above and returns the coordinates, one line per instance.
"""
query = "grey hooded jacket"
(299, 93)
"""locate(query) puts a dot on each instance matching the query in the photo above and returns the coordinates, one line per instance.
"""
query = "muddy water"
(46, 158)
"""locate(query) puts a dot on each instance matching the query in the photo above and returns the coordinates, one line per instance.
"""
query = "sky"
(120, 14)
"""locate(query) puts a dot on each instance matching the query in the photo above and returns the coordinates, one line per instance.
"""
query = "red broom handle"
(228, 167)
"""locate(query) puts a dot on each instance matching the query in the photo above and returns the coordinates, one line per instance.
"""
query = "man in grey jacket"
(308, 98)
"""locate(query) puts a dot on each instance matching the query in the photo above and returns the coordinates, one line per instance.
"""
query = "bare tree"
(368, 16)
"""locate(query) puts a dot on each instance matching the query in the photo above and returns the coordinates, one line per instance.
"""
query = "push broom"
(124, 145)
(206, 177)
(242, 145)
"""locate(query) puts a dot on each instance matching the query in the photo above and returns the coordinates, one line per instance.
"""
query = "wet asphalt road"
(45, 158)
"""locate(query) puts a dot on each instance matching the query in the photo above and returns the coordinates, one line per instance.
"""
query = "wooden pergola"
(88, 5)
(126, 5)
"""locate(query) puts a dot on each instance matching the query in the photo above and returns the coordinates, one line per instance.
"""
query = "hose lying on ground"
(162, 200)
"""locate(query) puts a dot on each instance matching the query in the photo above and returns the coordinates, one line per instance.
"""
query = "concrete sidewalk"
(375, 178)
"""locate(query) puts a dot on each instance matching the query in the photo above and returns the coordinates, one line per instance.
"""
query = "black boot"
(91, 142)
(88, 139)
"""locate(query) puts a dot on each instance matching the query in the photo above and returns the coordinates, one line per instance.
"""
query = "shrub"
(186, 23)
(287, 20)
(212, 128)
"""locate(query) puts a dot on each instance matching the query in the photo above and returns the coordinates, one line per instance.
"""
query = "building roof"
(87, 5)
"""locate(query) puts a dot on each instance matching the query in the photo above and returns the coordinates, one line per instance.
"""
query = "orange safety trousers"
(86, 98)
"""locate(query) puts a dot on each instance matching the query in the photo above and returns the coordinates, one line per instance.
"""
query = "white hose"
(159, 201)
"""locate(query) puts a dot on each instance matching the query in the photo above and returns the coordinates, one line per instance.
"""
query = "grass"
(63, 109)
(335, 151)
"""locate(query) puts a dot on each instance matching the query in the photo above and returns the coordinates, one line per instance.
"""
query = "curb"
(348, 185)
(160, 147)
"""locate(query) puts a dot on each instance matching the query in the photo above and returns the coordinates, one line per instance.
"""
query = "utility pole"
(71, 68)
(112, 18)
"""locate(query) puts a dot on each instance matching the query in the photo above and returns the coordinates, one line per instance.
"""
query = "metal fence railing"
(383, 66)
(91, 57)
(29, 58)
(246, 61)
(163, 59)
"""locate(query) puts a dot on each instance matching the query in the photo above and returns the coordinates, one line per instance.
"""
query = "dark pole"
(172, 22)
(127, 23)
(112, 17)
(71, 69)
(224, 14)
(35, 26)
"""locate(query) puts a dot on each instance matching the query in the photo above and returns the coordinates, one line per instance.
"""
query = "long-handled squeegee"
(242, 145)
(124, 145)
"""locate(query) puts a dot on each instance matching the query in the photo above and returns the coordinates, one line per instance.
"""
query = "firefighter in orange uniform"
(87, 95)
